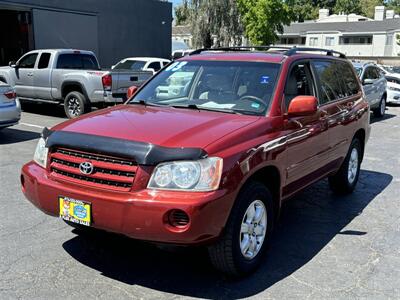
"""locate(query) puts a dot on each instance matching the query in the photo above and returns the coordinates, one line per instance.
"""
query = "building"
(356, 36)
(182, 33)
(112, 29)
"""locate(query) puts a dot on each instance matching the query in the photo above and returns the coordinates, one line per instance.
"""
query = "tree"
(303, 10)
(394, 4)
(368, 7)
(348, 7)
(262, 19)
(215, 19)
(182, 13)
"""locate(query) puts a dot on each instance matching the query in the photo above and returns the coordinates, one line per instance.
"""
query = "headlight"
(199, 175)
(41, 152)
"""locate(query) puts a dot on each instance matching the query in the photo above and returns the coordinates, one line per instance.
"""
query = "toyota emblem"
(86, 168)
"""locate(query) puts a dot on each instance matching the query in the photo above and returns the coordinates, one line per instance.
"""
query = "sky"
(175, 2)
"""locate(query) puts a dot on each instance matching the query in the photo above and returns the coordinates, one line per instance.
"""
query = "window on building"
(356, 40)
(389, 40)
(313, 41)
(329, 41)
(44, 60)
(303, 40)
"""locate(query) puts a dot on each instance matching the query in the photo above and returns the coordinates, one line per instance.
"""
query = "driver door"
(307, 136)
(24, 74)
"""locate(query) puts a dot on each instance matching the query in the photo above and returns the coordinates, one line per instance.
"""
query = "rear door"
(42, 77)
(24, 86)
(339, 94)
(307, 136)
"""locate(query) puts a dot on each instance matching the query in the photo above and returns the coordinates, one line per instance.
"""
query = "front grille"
(108, 172)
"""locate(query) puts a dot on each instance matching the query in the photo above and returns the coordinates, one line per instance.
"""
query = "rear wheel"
(345, 180)
(76, 104)
(380, 111)
(247, 232)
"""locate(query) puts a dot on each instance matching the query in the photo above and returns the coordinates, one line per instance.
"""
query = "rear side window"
(134, 65)
(371, 73)
(155, 66)
(77, 62)
(44, 61)
(349, 79)
(331, 87)
(28, 61)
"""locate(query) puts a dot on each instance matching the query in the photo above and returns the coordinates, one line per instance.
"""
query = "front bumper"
(10, 114)
(140, 214)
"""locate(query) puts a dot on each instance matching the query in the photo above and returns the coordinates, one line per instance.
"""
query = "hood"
(163, 126)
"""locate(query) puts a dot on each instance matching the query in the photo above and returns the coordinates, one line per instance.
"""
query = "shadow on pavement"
(12, 136)
(308, 223)
(387, 116)
(45, 109)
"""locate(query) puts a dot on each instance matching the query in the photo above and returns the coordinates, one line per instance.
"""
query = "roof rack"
(328, 52)
(288, 51)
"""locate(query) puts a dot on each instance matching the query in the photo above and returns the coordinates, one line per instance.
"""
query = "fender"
(73, 82)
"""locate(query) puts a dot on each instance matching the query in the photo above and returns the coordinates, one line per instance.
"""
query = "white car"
(393, 88)
(10, 109)
(152, 64)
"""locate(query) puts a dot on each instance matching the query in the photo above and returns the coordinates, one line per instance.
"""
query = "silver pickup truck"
(71, 77)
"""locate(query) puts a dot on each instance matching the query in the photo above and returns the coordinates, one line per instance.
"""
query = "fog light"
(178, 218)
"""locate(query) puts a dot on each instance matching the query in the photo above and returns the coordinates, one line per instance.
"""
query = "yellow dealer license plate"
(75, 211)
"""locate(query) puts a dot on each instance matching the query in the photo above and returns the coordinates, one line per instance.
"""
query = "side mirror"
(131, 91)
(303, 106)
(367, 81)
(12, 64)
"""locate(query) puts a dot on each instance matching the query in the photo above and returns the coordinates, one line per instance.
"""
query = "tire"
(226, 254)
(75, 105)
(345, 180)
(380, 110)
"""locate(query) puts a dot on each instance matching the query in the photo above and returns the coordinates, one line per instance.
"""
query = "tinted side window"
(330, 85)
(370, 73)
(77, 62)
(349, 80)
(44, 61)
(155, 65)
(28, 62)
(299, 83)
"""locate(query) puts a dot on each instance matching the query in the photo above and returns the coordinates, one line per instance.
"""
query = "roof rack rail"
(240, 48)
(285, 50)
(328, 52)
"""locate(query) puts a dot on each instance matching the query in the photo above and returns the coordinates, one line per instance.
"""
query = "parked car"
(212, 164)
(71, 77)
(10, 108)
(152, 64)
(374, 85)
(181, 53)
(393, 88)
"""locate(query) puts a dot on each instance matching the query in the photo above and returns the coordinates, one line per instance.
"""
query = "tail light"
(107, 82)
(10, 95)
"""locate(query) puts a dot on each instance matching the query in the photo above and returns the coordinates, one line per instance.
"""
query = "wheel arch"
(73, 86)
(270, 177)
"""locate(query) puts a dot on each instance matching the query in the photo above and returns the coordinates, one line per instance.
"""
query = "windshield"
(135, 65)
(235, 87)
(358, 71)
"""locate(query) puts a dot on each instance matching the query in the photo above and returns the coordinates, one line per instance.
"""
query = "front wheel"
(75, 105)
(380, 111)
(247, 232)
(345, 180)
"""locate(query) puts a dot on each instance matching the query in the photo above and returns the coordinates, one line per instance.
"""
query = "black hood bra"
(142, 153)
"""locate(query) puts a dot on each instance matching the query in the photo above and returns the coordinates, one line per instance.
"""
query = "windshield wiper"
(145, 103)
(197, 107)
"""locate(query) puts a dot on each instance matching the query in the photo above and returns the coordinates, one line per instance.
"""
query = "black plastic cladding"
(141, 153)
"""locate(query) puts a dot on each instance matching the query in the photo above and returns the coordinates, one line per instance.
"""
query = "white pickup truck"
(71, 77)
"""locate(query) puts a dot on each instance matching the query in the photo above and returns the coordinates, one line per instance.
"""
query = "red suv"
(206, 152)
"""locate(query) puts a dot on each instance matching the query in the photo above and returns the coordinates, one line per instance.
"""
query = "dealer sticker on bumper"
(75, 211)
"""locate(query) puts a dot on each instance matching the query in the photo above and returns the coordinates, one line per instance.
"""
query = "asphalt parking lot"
(324, 247)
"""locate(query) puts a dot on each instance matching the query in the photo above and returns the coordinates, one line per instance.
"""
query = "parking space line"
(31, 125)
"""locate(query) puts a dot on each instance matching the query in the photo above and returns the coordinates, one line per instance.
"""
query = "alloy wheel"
(253, 229)
(74, 107)
(353, 166)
